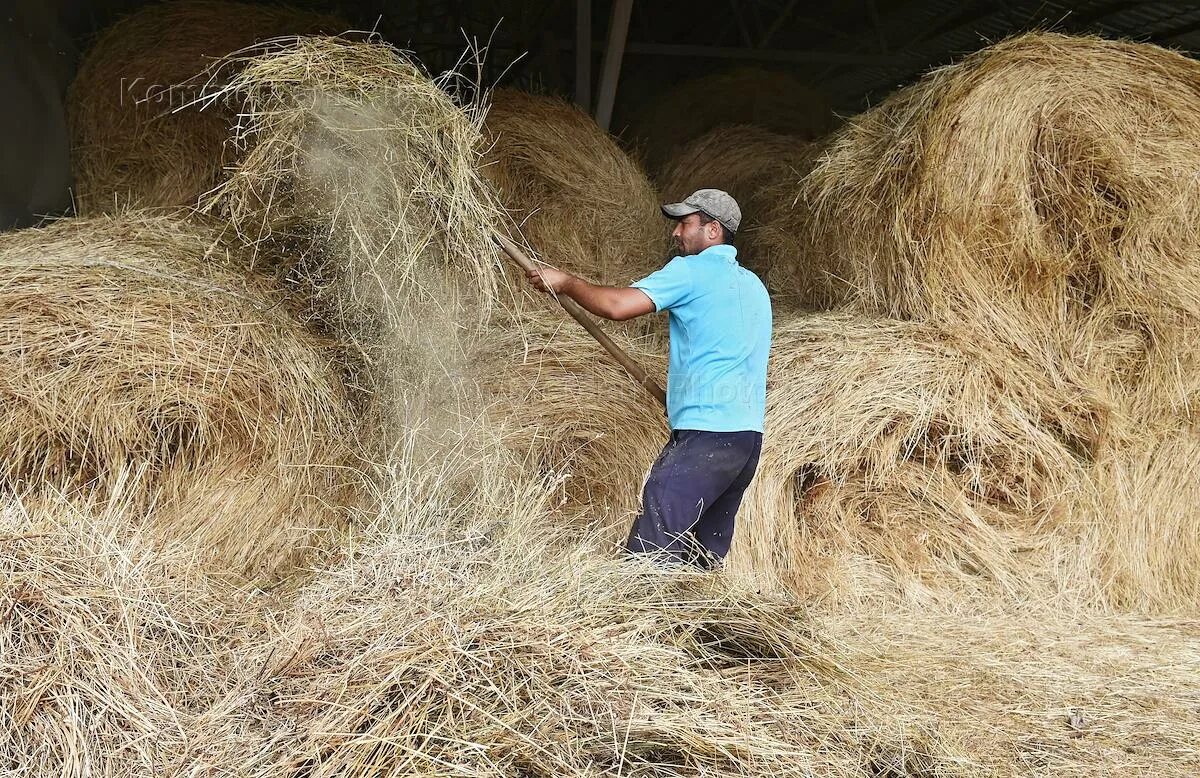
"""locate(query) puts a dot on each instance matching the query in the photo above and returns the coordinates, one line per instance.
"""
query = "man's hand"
(612, 302)
(549, 279)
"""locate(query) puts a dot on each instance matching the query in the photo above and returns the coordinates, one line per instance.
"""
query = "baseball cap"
(714, 202)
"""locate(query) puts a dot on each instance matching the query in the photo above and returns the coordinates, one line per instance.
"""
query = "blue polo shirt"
(720, 319)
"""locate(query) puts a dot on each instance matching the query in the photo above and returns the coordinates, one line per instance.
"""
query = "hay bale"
(901, 454)
(111, 653)
(1040, 193)
(134, 343)
(580, 201)
(572, 412)
(770, 99)
(757, 167)
(137, 140)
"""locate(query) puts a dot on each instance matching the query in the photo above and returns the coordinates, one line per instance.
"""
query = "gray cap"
(714, 202)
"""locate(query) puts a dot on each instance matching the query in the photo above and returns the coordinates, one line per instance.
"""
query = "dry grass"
(134, 342)
(757, 167)
(463, 638)
(362, 174)
(470, 637)
(902, 457)
(572, 411)
(1027, 690)
(1041, 193)
(580, 201)
(131, 147)
(110, 651)
(959, 512)
(770, 99)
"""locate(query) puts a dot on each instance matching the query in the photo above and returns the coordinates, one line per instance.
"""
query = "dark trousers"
(692, 496)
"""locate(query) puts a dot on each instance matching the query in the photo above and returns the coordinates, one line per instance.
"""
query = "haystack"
(900, 455)
(137, 138)
(111, 652)
(580, 201)
(479, 636)
(770, 99)
(1041, 193)
(757, 167)
(572, 411)
(133, 343)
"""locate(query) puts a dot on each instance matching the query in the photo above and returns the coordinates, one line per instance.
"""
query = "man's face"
(692, 237)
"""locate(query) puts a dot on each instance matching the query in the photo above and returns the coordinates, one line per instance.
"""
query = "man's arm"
(611, 302)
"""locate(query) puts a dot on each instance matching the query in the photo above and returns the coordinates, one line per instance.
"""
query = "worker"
(720, 330)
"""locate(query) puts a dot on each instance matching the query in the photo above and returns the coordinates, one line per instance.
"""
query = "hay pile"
(947, 501)
(1041, 193)
(137, 140)
(757, 167)
(905, 457)
(770, 99)
(464, 636)
(571, 411)
(580, 201)
(475, 639)
(110, 653)
(134, 342)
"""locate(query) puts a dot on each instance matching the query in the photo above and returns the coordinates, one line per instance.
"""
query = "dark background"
(854, 52)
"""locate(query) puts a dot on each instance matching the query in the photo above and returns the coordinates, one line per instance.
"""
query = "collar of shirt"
(721, 251)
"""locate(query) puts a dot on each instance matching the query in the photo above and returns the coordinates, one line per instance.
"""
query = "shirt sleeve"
(669, 287)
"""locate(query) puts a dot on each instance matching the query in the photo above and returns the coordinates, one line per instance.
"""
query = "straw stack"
(580, 201)
(133, 342)
(137, 138)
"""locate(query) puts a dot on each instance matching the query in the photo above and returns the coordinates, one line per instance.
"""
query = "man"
(720, 328)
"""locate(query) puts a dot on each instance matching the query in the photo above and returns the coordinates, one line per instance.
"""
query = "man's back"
(720, 326)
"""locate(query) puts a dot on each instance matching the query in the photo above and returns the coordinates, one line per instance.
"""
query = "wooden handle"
(632, 367)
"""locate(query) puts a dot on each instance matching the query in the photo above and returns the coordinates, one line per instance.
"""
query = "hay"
(1040, 193)
(581, 203)
(1144, 533)
(1029, 690)
(773, 100)
(757, 167)
(110, 652)
(474, 639)
(336, 137)
(573, 412)
(901, 457)
(136, 140)
(132, 342)
(362, 173)
(464, 634)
